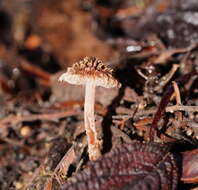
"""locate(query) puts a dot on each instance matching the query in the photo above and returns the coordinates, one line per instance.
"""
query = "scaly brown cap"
(90, 70)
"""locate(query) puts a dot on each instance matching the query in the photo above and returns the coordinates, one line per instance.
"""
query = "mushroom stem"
(94, 144)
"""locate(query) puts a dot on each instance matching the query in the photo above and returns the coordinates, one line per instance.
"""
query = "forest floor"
(153, 47)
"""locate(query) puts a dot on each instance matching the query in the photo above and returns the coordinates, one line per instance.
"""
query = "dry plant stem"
(94, 144)
(165, 79)
(178, 114)
(66, 161)
(15, 119)
(177, 93)
(182, 108)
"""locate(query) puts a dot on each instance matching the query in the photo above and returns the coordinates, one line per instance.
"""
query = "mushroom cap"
(90, 70)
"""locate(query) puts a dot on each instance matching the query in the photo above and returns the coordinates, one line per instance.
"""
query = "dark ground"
(149, 43)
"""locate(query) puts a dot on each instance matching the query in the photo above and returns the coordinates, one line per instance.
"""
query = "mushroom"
(90, 72)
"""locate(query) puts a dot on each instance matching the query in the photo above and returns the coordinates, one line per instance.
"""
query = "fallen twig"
(166, 78)
(177, 95)
(71, 156)
(13, 120)
(181, 108)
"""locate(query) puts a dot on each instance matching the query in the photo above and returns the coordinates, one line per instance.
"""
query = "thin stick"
(182, 108)
(13, 120)
(177, 93)
(166, 78)
(178, 114)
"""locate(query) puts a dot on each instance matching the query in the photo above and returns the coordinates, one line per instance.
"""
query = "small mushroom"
(90, 72)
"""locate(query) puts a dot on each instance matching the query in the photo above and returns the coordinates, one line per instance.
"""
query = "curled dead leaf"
(130, 166)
